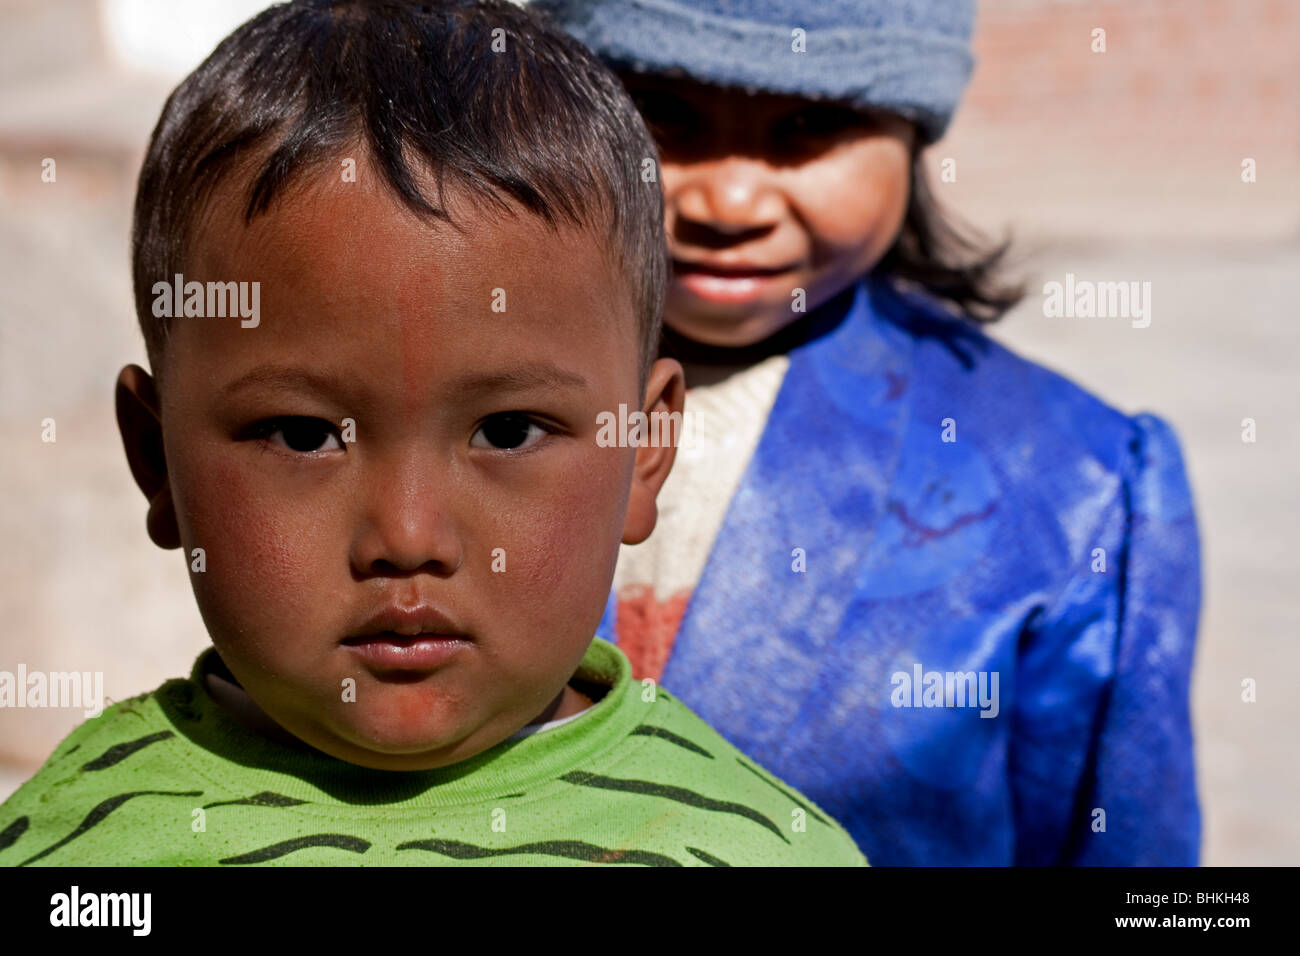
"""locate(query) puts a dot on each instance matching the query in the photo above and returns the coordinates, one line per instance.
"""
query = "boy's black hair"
(947, 258)
(481, 93)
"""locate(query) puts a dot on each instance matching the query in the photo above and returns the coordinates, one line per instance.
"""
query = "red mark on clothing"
(922, 533)
(897, 385)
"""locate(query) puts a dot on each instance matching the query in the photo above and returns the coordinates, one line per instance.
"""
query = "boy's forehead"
(346, 260)
(361, 237)
(355, 243)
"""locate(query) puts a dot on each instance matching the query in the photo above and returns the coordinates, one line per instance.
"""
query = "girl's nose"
(731, 196)
(407, 524)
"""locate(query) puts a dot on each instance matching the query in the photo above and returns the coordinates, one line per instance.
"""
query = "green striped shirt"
(170, 779)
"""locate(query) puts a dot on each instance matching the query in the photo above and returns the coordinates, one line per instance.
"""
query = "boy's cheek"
(258, 556)
(560, 551)
(555, 551)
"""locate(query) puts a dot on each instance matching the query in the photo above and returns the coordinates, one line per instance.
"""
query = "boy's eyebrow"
(519, 378)
(287, 378)
(516, 379)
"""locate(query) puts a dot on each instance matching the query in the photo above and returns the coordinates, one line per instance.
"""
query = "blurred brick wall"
(1144, 140)
(81, 587)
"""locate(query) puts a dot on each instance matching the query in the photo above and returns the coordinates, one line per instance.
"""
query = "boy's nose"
(407, 526)
(732, 196)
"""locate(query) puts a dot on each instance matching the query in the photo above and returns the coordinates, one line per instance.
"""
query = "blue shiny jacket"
(1049, 542)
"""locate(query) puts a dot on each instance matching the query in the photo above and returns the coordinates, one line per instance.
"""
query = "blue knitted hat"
(908, 56)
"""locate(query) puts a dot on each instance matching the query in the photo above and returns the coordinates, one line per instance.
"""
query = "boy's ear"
(139, 419)
(665, 394)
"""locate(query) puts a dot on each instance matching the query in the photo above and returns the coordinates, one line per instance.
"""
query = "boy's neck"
(236, 703)
(706, 364)
(568, 702)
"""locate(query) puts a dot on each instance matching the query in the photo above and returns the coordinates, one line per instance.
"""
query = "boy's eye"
(512, 430)
(299, 434)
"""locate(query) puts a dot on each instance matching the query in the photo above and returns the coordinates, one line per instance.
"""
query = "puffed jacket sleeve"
(1102, 767)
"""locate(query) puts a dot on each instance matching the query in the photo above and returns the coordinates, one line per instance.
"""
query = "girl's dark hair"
(481, 94)
(947, 258)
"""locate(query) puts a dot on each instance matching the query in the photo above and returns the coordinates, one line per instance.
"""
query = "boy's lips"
(396, 652)
(414, 639)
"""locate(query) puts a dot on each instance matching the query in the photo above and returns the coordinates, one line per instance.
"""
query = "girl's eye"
(300, 434)
(508, 430)
(669, 118)
(820, 122)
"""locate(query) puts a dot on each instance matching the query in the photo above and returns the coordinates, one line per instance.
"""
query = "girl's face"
(773, 203)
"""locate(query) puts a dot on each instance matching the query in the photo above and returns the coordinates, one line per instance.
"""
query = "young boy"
(941, 589)
(392, 263)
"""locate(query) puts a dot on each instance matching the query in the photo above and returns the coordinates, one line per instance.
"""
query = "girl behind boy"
(939, 588)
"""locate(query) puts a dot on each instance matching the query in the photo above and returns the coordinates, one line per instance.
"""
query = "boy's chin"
(382, 740)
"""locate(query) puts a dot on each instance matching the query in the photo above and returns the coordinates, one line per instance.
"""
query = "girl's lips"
(416, 652)
(728, 289)
(729, 284)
